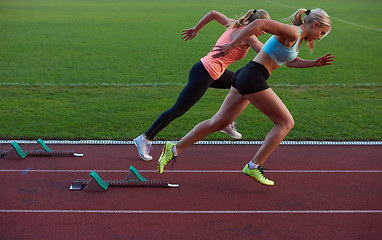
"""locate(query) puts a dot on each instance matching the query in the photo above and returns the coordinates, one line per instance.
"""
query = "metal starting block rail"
(134, 179)
(44, 151)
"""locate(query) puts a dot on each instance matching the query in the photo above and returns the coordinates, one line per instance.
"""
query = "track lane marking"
(117, 142)
(194, 211)
(185, 171)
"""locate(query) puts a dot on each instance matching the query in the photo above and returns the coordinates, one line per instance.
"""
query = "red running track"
(321, 192)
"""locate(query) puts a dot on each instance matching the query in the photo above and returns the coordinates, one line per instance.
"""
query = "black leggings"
(199, 81)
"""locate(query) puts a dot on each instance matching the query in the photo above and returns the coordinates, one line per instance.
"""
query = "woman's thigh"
(233, 105)
(271, 105)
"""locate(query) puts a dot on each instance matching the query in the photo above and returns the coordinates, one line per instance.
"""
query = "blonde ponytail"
(249, 17)
(313, 15)
(297, 17)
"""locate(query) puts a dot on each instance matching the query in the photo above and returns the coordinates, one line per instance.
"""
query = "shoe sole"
(161, 155)
(232, 136)
(139, 152)
(257, 180)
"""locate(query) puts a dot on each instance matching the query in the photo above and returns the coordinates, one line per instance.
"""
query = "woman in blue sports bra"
(249, 84)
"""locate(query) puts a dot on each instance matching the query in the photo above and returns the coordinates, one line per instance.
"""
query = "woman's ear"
(316, 24)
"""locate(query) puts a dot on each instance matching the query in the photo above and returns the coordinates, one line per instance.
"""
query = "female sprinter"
(208, 72)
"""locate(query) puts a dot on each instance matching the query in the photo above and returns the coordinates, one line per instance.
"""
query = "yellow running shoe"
(258, 175)
(166, 156)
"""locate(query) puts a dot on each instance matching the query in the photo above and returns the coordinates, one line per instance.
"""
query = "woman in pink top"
(208, 72)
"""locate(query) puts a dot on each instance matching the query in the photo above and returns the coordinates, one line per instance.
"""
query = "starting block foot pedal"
(134, 175)
(101, 183)
(16, 152)
(43, 145)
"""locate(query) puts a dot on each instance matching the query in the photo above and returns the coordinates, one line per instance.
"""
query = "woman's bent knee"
(288, 124)
(218, 124)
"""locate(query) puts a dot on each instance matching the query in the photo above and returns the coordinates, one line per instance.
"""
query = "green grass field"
(92, 69)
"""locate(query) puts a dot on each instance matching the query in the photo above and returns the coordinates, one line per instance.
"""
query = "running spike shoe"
(143, 147)
(166, 156)
(258, 175)
(232, 131)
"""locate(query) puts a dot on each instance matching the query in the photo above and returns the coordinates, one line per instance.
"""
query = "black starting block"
(134, 179)
(44, 151)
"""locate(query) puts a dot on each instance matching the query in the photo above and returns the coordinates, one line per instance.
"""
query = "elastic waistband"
(259, 66)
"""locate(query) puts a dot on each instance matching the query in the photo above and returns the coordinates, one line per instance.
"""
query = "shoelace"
(261, 169)
(173, 160)
(148, 147)
(233, 125)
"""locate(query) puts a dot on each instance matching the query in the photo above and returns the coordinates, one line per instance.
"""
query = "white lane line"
(111, 84)
(84, 84)
(117, 142)
(357, 25)
(182, 171)
(334, 18)
(194, 211)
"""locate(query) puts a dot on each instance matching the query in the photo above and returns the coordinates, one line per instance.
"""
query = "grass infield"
(92, 69)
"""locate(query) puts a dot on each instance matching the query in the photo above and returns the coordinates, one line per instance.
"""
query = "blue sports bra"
(278, 52)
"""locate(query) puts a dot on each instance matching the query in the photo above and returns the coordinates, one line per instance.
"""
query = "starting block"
(134, 179)
(44, 151)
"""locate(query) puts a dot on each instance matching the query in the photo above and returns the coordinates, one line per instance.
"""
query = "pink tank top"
(216, 66)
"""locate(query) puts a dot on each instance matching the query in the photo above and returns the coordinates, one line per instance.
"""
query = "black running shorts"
(251, 78)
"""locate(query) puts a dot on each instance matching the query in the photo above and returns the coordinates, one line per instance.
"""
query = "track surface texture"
(320, 192)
